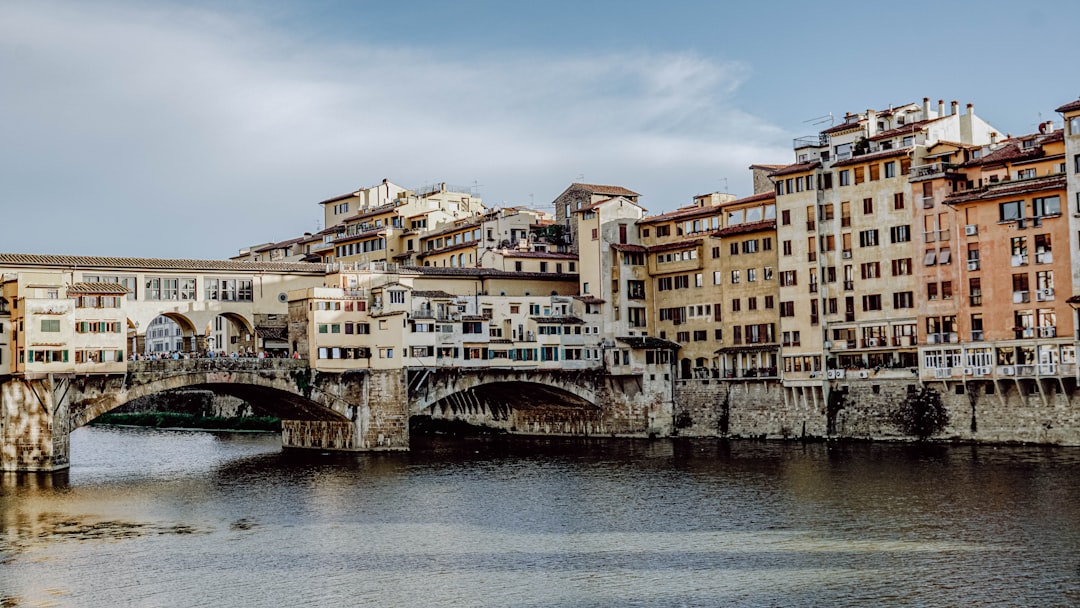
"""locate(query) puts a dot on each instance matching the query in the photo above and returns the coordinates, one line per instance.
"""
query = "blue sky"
(193, 129)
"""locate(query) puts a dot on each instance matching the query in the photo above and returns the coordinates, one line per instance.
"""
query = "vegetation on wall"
(921, 414)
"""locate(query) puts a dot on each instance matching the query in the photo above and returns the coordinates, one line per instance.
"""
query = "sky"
(195, 129)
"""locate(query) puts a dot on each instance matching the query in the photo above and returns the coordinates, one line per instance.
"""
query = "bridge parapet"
(215, 364)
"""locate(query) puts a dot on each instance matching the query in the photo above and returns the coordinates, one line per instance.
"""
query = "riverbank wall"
(1039, 411)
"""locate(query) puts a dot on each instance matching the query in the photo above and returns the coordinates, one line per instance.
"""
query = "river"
(173, 518)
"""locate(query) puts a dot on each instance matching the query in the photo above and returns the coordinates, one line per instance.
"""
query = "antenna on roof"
(820, 120)
(580, 177)
(724, 179)
(476, 187)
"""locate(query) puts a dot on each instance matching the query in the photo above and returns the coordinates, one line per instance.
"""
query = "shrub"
(922, 414)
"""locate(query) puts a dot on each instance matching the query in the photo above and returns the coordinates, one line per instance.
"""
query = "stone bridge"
(357, 410)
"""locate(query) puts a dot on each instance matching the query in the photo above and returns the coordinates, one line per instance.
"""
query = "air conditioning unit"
(847, 254)
(982, 371)
(1044, 257)
(1019, 260)
(864, 374)
(871, 342)
(1044, 295)
(973, 264)
(1019, 297)
(971, 229)
(1048, 332)
(813, 374)
(1007, 370)
(969, 371)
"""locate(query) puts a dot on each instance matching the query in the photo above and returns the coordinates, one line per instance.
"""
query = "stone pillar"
(34, 424)
(377, 417)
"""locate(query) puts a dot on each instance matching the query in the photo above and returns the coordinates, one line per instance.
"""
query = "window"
(867, 206)
(50, 325)
(736, 305)
(786, 247)
(787, 309)
(871, 270)
(751, 275)
(785, 215)
(735, 277)
(716, 277)
(769, 302)
(900, 234)
(868, 238)
(1012, 211)
(1047, 205)
(859, 175)
(975, 291)
(750, 246)
(397, 297)
(890, 169)
(903, 299)
(898, 200)
(788, 278)
(871, 302)
(766, 244)
(931, 291)
(845, 178)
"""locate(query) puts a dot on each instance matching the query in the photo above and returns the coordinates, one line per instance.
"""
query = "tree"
(922, 414)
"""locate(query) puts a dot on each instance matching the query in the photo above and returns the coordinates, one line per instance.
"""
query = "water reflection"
(165, 518)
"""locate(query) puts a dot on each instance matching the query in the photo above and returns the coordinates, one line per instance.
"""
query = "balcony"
(942, 338)
(810, 141)
(932, 170)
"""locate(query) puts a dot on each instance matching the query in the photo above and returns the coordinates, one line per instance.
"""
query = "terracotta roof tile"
(744, 228)
(796, 168)
(601, 189)
(544, 255)
(87, 261)
(676, 245)
(1069, 107)
(870, 157)
(98, 288)
(1009, 188)
(628, 247)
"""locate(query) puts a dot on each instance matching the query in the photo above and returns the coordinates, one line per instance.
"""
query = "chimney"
(955, 105)
(993, 137)
(940, 108)
(871, 122)
(970, 108)
(925, 108)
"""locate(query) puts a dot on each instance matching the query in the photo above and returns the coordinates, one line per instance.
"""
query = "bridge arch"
(517, 388)
(280, 387)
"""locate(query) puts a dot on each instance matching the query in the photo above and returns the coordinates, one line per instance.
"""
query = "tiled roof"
(472, 222)
(1069, 107)
(88, 261)
(1009, 188)
(601, 189)
(435, 293)
(681, 213)
(676, 245)
(591, 206)
(796, 168)
(272, 333)
(844, 126)
(98, 288)
(908, 129)
(753, 348)
(281, 245)
(870, 157)
(628, 247)
(744, 228)
(374, 211)
(589, 299)
(431, 252)
(339, 197)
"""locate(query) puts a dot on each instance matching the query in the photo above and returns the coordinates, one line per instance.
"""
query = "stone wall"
(1029, 411)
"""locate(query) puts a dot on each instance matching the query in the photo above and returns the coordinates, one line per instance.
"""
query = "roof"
(601, 189)
(88, 261)
(488, 273)
(682, 212)
(447, 248)
(675, 245)
(908, 129)
(638, 342)
(98, 288)
(744, 228)
(280, 245)
(1009, 188)
(844, 126)
(1069, 107)
(862, 158)
(340, 197)
(1011, 152)
(436, 293)
(753, 348)
(589, 299)
(796, 168)
(628, 247)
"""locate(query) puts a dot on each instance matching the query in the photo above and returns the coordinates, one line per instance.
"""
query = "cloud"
(182, 132)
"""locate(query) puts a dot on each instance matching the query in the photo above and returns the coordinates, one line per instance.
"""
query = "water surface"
(165, 518)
